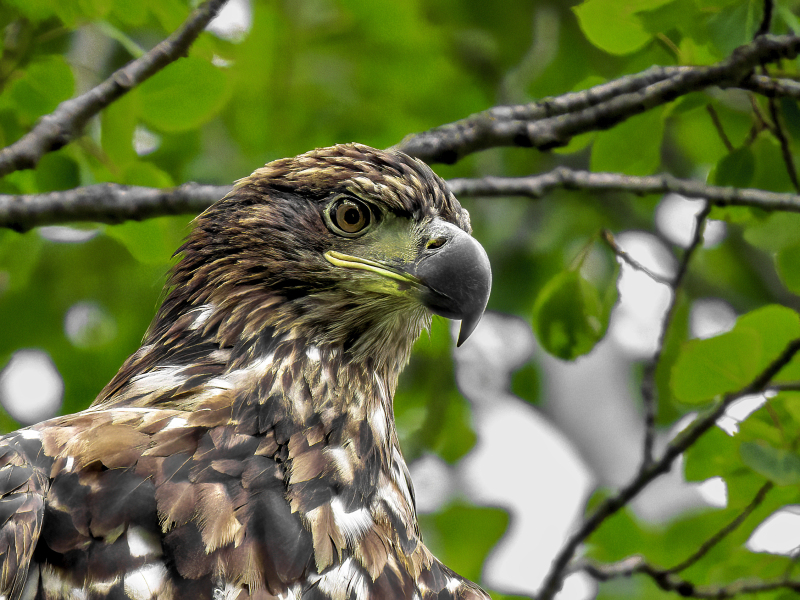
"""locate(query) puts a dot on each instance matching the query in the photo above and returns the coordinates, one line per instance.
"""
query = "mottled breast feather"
(248, 448)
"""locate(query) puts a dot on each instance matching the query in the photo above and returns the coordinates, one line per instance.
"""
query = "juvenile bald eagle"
(248, 448)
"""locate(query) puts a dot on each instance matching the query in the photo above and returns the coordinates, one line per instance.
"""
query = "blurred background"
(506, 443)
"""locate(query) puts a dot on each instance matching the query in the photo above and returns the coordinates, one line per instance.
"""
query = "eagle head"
(346, 246)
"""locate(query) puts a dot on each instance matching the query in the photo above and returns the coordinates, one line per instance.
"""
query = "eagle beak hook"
(456, 276)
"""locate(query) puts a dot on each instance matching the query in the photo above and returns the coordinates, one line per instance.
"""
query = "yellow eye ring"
(348, 217)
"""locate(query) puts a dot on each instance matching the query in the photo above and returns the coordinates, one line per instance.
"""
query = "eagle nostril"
(436, 242)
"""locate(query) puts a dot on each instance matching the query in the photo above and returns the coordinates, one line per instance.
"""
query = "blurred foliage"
(317, 72)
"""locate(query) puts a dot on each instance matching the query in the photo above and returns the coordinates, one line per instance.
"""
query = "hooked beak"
(451, 274)
(455, 274)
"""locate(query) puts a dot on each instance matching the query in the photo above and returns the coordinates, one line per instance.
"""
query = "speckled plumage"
(248, 448)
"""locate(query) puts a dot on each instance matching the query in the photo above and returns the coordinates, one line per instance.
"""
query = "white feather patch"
(312, 352)
(352, 524)
(142, 542)
(342, 462)
(401, 476)
(226, 591)
(161, 378)
(145, 583)
(339, 581)
(175, 423)
(453, 584)
(203, 312)
(378, 422)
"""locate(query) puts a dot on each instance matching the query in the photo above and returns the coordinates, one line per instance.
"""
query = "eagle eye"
(348, 217)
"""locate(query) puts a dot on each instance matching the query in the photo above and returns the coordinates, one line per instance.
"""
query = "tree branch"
(649, 388)
(536, 125)
(684, 440)
(671, 583)
(724, 532)
(665, 578)
(608, 238)
(536, 186)
(60, 127)
(770, 87)
(766, 19)
(101, 202)
(105, 203)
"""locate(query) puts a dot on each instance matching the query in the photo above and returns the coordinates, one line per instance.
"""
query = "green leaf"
(614, 150)
(735, 25)
(44, 84)
(788, 262)
(56, 171)
(771, 173)
(728, 362)
(736, 169)
(461, 548)
(791, 402)
(118, 123)
(779, 466)
(457, 438)
(707, 368)
(711, 456)
(525, 382)
(19, 255)
(676, 335)
(35, 10)
(153, 241)
(613, 26)
(183, 96)
(568, 316)
(146, 174)
(775, 232)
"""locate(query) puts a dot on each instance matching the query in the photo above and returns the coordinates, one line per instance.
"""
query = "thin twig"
(683, 441)
(536, 186)
(793, 386)
(648, 387)
(780, 133)
(63, 125)
(724, 532)
(608, 238)
(105, 203)
(718, 124)
(766, 19)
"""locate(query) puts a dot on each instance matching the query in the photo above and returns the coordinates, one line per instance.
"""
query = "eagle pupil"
(352, 216)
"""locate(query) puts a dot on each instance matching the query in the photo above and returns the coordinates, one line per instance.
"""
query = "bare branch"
(60, 127)
(608, 238)
(766, 19)
(105, 203)
(767, 86)
(724, 532)
(27, 211)
(536, 186)
(649, 388)
(669, 582)
(536, 126)
(780, 133)
(684, 440)
(718, 124)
